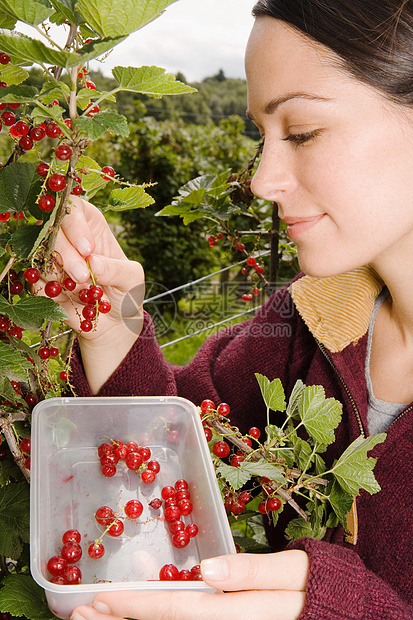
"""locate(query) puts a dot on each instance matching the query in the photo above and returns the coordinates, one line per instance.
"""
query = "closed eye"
(299, 139)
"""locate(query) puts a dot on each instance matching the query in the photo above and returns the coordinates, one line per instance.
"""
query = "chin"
(324, 267)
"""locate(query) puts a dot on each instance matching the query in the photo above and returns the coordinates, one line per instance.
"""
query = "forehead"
(279, 60)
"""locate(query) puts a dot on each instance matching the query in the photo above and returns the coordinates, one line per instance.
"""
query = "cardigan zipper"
(344, 384)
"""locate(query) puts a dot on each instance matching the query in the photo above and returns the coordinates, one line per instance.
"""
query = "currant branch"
(6, 427)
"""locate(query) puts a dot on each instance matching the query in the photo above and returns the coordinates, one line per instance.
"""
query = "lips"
(296, 226)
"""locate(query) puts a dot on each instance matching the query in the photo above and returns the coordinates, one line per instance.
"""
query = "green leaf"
(14, 519)
(24, 50)
(56, 112)
(235, 476)
(52, 91)
(9, 470)
(93, 180)
(299, 528)
(303, 452)
(294, 400)
(108, 119)
(97, 48)
(272, 392)
(18, 186)
(353, 470)
(12, 363)
(31, 312)
(7, 21)
(13, 75)
(151, 81)
(21, 596)
(129, 198)
(23, 240)
(113, 18)
(17, 94)
(32, 13)
(68, 9)
(264, 468)
(320, 415)
(340, 501)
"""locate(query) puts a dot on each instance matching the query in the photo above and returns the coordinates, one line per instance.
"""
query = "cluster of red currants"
(176, 504)
(169, 572)
(235, 501)
(63, 567)
(136, 458)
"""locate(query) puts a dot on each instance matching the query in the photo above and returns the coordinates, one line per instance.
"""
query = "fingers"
(124, 274)
(76, 226)
(287, 570)
(186, 605)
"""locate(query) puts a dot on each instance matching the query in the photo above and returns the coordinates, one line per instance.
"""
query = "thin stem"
(7, 428)
(7, 267)
(46, 36)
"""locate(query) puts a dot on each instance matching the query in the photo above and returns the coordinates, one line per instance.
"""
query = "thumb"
(120, 273)
(287, 570)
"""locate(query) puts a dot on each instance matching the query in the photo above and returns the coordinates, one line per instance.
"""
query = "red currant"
(254, 432)
(86, 325)
(258, 268)
(192, 530)
(104, 306)
(31, 275)
(185, 575)
(4, 216)
(116, 529)
(221, 449)
(77, 190)
(42, 169)
(108, 172)
(168, 492)
(176, 526)
(44, 353)
(57, 182)
(207, 406)
(180, 539)
(274, 503)
(26, 143)
(181, 485)
(95, 292)
(72, 574)
(185, 507)
(63, 375)
(105, 448)
(22, 127)
(133, 460)
(91, 85)
(47, 203)
(53, 288)
(52, 130)
(104, 515)
(133, 509)
(96, 550)
(4, 58)
(89, 311)
(172, 514)
(223, 409)
(251, 261)
(30, 399)
(148, 476)
(56, 565)
(71, 536)
(16, 287)
(71, 552)
(25, 445)
(156, 503)
(169, 572)
(37, 133)
(14, 106)
(8, 118)
(69, 284)
(63, 152)
(208, 433)
(144, 452)
(108, 470)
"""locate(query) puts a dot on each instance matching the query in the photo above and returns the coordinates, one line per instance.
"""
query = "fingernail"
(79, 271)
(101, 607)
(98, 266)
(76, 616)
(84, 246)
(215, 569)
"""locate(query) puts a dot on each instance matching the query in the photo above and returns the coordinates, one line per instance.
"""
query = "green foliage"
(287, 464)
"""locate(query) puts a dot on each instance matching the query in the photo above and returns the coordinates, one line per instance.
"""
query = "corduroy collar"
(337, 309)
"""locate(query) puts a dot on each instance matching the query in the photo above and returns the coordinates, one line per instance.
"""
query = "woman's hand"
(85, 237)
(266, 586)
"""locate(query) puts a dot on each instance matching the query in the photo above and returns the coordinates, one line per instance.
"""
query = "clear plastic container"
(67, 487)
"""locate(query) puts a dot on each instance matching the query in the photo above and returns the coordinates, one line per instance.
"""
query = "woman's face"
(337, 158)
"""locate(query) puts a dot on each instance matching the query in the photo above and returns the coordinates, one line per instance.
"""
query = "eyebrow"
(274, 104)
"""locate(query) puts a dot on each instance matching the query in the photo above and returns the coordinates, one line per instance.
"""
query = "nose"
(274, 177)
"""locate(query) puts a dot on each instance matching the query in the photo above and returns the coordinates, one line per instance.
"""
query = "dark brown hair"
(374, 38)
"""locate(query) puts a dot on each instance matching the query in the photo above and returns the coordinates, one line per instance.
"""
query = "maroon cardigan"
(371, 580)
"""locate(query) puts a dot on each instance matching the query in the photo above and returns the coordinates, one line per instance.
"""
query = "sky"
(196, 37)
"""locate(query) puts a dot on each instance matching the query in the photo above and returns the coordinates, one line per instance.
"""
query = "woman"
(330, 88)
